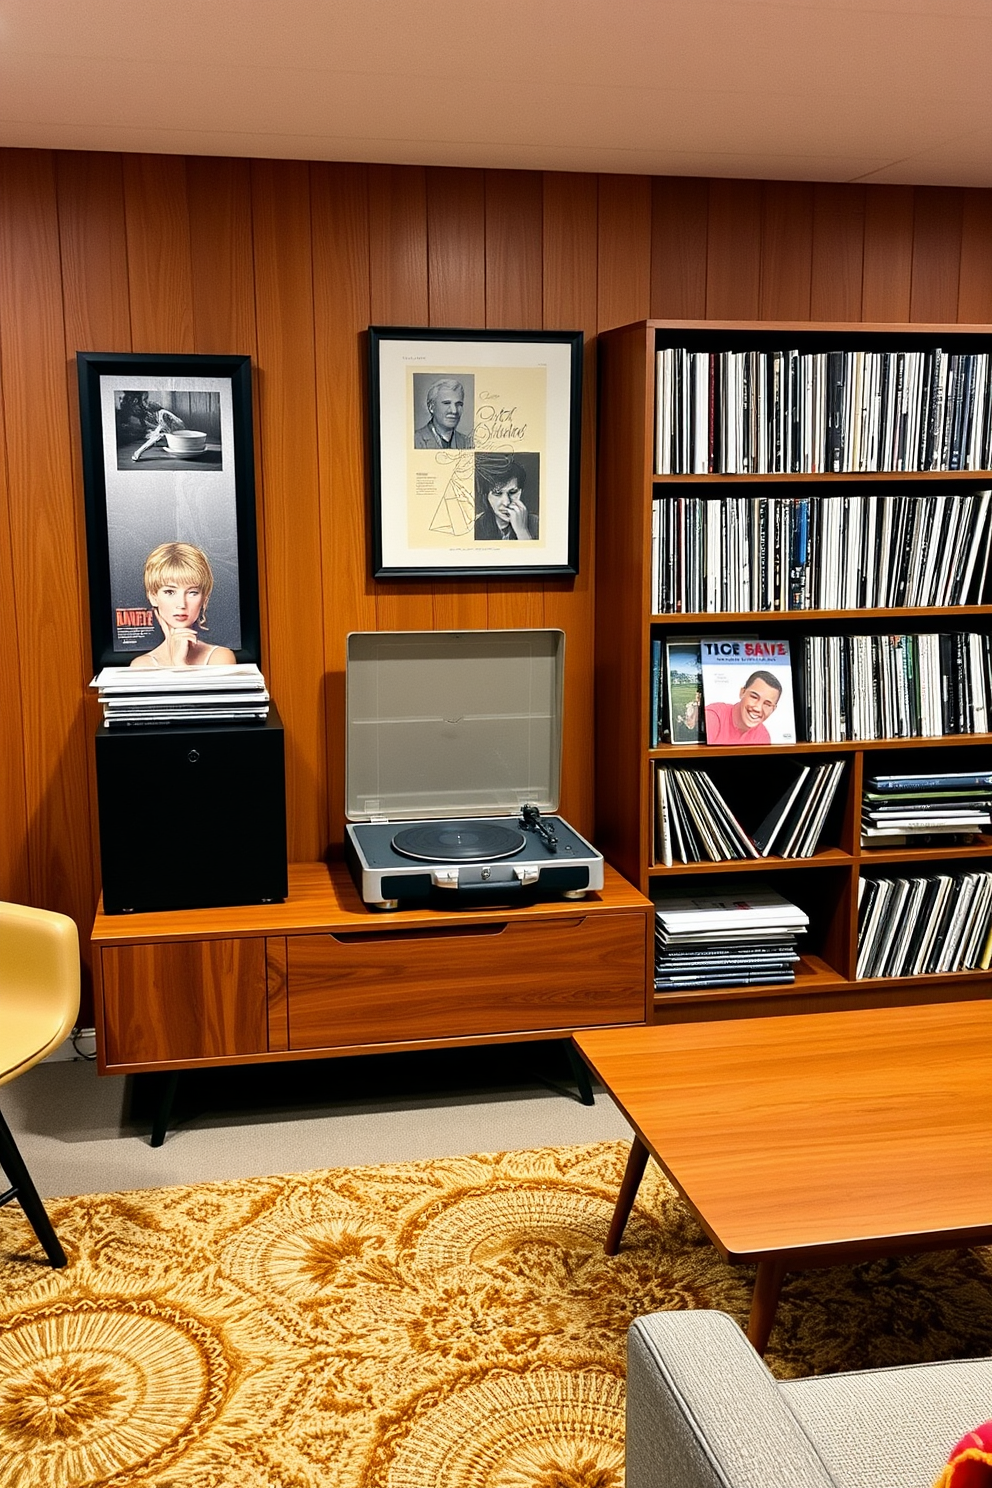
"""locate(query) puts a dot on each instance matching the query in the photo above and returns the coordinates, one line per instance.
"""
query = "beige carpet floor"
(443, 1324)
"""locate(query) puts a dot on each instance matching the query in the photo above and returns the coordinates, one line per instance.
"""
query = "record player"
(453, 769)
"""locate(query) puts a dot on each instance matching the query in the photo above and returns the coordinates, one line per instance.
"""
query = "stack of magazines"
(140, 696)
(913, 810)
(920, 926)
(733, 940)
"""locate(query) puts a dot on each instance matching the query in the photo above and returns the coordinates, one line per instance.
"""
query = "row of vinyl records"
(694, 824)
(920, 926)
(735, 554)
(892, 686)
(781, 412)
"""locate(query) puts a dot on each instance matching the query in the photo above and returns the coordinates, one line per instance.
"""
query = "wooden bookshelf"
(825, 885)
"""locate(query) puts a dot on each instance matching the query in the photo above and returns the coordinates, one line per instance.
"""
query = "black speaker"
(192, 817)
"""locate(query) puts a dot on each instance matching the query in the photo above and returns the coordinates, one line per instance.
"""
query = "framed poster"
(475, 439)
(168, 472)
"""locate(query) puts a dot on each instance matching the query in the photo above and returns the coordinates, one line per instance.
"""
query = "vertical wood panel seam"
(706, 260)
(318, 472)
(260, 466)
(74, 455)
(8, 523)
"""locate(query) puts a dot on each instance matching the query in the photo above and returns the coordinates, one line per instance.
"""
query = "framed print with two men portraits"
(475, 440)
(169, 479)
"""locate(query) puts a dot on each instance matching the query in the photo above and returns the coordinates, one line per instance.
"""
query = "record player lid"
(452, 723)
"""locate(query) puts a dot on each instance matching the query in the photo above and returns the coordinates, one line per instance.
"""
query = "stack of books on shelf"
(921, 926)
(694, 824)
(136, 696)
(726, 941)
(920, 810)
(792, 412)
(893, 686)
(829, 552)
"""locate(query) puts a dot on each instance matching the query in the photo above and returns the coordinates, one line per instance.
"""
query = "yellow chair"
(39, 1002)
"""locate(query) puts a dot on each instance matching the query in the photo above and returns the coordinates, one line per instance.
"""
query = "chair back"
(39, 985)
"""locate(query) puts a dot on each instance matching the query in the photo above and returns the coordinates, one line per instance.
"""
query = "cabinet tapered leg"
(580, 1074)
(160, 1125)
(634, 1172)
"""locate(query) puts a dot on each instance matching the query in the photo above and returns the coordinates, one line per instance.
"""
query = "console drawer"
(570, 971)
(184, 1000)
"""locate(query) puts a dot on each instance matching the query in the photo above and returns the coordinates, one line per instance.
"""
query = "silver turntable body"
(453, 770)
(470, 859)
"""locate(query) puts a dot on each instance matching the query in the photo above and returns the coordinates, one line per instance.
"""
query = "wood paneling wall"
(290, 263)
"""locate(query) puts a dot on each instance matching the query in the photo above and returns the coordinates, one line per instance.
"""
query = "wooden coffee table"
(817, 1140)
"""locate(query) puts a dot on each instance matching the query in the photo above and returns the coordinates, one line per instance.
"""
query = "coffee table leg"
(636, 1163)
(767, 1287)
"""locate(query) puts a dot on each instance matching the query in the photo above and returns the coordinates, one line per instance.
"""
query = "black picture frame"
(493, 493)
(164, 482)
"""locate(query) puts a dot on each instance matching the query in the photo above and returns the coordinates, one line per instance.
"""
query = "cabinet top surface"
(322, 896)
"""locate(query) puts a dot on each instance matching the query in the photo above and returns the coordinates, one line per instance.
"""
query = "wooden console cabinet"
(322, 975)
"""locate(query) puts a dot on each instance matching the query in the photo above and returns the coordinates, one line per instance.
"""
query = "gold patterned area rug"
(442, 1324)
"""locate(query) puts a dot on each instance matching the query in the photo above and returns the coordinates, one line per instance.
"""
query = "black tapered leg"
(160, 1124)
(24, 1191)
(580, 1074)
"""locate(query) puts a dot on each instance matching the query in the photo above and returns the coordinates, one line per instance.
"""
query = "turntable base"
(322, 975)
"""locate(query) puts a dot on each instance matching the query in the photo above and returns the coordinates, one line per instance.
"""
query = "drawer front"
(183, 1000)
(519, 976)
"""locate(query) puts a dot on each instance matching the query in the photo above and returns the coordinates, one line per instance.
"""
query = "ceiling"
(821, 90)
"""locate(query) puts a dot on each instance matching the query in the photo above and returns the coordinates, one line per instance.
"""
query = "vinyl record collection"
(919, 926)
(925, 810)
(893, 686)
(836, 552)
(780, 412)
(726, 940)
(793, 827)
(136, 696)
(694, 824)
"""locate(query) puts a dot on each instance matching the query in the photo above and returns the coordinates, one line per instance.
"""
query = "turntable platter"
(458, 842)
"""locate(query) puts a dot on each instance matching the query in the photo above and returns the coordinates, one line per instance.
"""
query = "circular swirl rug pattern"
(442, 1324)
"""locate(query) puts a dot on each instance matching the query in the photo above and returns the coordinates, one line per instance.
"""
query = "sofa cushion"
(891, 1428)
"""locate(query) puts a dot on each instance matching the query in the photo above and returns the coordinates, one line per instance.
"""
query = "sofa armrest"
(703, 1411)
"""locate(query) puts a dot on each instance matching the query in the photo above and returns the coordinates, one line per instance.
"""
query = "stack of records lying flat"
(140, 696)
(718, 940)
(913, 810)
(921, 926)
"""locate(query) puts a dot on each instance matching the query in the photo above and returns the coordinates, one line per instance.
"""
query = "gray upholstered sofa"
(703, 1411)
